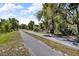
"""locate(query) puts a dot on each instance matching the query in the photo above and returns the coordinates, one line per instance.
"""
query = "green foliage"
(31, 25)
(73, 7)
(59, 18)
(58, 21)
(8, 25)
(36, 28)
(23, 26)
(41, 26)
(15, 23)
(39, 15)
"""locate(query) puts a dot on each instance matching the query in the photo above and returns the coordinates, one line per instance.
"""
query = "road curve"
(36, 47)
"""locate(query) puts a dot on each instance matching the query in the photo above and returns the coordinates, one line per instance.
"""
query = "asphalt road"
(38, 48)
(56, 39)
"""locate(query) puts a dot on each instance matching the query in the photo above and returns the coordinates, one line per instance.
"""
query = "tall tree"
(31, 25)
(6, 26)
(48, 13)
(74, 7)
(23, 26)
(15, 23)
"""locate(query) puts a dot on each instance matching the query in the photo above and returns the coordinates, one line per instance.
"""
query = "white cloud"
(23, 20)
(10, 7)
(28, 19)
(33, 18)
(10, 15)
(33, 8)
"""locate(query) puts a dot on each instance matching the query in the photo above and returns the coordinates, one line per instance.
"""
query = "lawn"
(12, 45)
(57, 46)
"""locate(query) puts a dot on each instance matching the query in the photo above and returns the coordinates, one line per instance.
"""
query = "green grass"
(5, 38)
(12, 45)
(57, 46)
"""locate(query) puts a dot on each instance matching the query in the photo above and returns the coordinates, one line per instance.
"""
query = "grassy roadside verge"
(57, 46)
(12, 45)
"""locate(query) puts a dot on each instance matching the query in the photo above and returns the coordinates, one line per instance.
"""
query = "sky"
(24, 12)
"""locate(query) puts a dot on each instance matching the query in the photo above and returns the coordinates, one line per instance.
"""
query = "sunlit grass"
(11, 44)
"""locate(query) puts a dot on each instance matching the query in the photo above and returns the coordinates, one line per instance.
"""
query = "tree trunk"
(77, 20)
(51, 25)
(78, 28)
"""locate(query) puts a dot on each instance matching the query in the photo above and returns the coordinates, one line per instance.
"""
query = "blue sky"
(24, 12)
